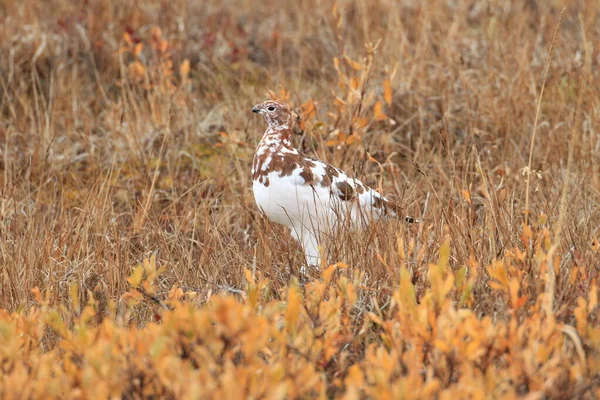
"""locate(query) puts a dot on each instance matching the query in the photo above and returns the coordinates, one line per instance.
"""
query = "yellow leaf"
(127, 38)
(498, 272)
(352, 139)
(328, 273)
(521, 302)
(431, 388)
(448, 285)
(574, 272)
(379, 114)
(308, 110)
(56, 322)
(514, 287)
(375, 319)
(407, 295)
(444, 256)
(400, 247)
(336, 63)
(355, 65)
(248, 274)
(350, 294)
(581, 315)
(184, 68)
(361, 122)
(355, 376)
(37, 294)
(593, 296)
(132, 297)
(136, 70)
(526, 235)
(156, 32)
(138, 49)
(442, 346)
(74, 293)
(460, 276)
(175, 293)
(342, 265)
(473, 348)
(293, 308)
(136, 277)
(466, 195)
(387, 92)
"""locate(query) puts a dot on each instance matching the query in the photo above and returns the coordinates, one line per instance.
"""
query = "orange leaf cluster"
(150, 64)
(316, 342)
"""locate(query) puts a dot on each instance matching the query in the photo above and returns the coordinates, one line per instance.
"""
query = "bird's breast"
(288, 200)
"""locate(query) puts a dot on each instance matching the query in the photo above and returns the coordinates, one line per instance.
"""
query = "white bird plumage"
(310, 197)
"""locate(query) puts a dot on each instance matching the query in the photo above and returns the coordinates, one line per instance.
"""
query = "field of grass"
(135, 264)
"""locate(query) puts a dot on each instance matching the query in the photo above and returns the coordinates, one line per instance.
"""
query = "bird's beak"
(255, 109)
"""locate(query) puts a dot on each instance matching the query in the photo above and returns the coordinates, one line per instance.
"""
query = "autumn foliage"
(317, 341)
(134, 263)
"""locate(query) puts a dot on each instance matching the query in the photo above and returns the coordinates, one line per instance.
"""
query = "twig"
(564, 195)
(537, 113)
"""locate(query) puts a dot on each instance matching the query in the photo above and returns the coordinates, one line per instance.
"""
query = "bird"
(310, 197)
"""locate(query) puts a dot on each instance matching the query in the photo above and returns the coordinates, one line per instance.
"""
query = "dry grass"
(125, 132)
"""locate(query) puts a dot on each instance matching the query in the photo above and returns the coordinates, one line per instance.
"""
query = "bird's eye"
(271, 108)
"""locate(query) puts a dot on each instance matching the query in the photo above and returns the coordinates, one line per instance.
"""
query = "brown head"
(277, 115)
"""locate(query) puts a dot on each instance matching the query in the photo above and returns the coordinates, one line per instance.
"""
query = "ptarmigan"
(308, 196)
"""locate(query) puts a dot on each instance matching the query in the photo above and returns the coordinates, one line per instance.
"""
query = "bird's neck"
(276, 139)
(274, 145)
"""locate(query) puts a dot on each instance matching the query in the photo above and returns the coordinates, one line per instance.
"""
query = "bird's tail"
(397, 211)
(411, 220)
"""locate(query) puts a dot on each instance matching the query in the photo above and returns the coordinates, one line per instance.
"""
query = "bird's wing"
(352, 190)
